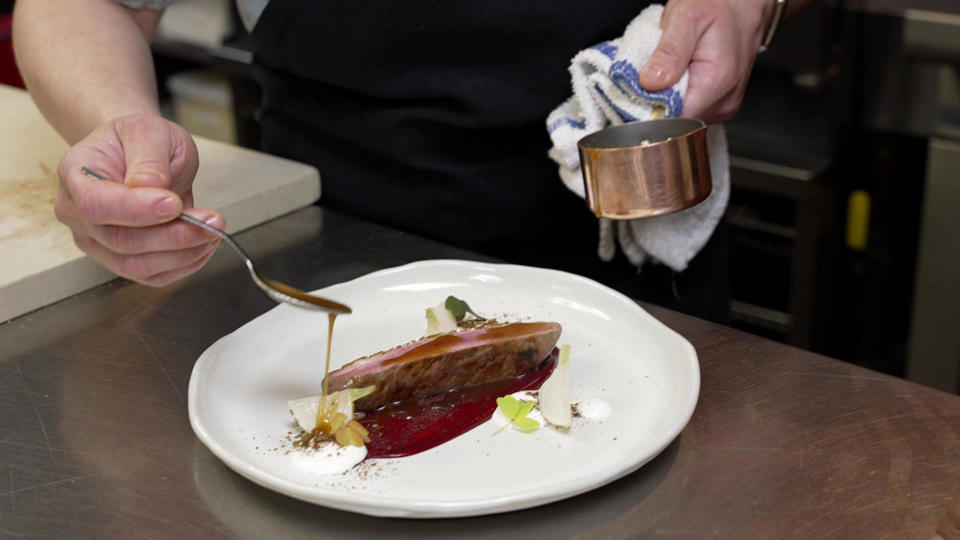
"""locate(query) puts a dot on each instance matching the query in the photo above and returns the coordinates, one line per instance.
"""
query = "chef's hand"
(128, 224)
(718, 41)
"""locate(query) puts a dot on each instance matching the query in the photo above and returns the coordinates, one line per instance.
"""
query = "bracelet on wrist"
(779, 7)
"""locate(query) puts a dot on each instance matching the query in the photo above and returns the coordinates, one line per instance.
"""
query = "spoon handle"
(226, 237)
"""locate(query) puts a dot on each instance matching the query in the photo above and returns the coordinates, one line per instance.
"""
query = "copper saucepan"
(646, 169)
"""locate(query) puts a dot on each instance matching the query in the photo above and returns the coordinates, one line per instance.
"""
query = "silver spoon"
(279, 292)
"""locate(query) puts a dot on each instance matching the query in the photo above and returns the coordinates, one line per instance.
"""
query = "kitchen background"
(846, 171)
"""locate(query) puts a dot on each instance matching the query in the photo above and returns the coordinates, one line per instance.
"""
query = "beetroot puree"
(410, 427)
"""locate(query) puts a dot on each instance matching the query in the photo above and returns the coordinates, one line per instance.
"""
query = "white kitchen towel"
(607, 92)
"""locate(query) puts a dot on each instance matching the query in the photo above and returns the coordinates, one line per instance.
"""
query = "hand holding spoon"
(279, 292)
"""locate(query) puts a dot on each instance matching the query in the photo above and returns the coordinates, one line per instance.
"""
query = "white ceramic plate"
(646, 375)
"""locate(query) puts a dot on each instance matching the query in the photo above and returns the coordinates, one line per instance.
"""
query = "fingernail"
(167, 207)
(213, 221)
(654, 72)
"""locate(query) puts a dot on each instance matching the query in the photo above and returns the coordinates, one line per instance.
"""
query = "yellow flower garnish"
(351, 434)
(335, 417)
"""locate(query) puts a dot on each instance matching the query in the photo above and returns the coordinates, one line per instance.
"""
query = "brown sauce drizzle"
(321, 420)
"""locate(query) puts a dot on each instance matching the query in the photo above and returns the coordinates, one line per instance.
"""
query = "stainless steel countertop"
(95, 441)
(898, 7)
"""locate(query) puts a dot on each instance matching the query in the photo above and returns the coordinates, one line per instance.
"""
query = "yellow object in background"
(858, 219)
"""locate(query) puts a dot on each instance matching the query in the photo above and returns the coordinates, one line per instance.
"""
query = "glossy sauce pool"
(410, 427)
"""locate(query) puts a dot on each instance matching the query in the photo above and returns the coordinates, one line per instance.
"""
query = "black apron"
(429, 116)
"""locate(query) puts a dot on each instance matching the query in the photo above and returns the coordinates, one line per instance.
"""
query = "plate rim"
(384, 506)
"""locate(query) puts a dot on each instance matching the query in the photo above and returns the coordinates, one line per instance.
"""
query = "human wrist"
(107, 112)
(112, 111)
(754, 16)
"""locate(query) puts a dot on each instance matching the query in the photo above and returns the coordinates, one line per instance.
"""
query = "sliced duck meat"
(446, 361)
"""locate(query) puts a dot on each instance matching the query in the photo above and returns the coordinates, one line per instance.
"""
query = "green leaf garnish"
(459, 308)
(526, 424)
(357, 393)
(516, 411)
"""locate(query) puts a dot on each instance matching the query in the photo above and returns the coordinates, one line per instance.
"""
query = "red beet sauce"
(409, 427)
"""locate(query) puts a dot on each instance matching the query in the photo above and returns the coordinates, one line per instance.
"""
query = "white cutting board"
(39, 263)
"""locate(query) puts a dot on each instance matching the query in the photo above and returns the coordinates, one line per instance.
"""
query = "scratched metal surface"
(95, 441)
